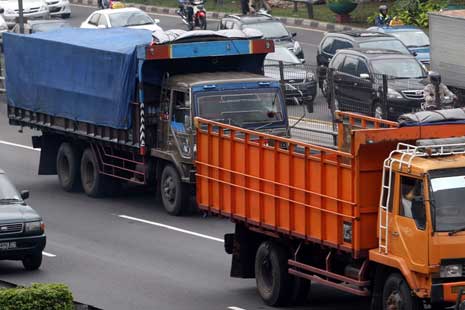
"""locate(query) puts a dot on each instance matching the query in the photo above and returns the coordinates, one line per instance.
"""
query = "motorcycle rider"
(186, 9)
(435, 92)
(383, 19)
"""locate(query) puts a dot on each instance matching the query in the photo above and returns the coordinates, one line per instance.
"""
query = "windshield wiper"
(451, 233)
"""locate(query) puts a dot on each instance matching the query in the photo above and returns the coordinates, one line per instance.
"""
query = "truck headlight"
(451, 271)
(392, 93)
(297, 47)
(34, 227)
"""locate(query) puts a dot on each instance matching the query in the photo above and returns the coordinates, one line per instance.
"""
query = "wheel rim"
(266, 269)
(169, 189)
(325, 87)
(379, 112)
(89, 177)
(63, 164)
(394, 301)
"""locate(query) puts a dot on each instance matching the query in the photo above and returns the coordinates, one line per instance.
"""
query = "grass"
(320, 12)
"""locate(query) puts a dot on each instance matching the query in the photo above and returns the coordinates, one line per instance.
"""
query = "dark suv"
(334, 41)
(22, 234)
(358, 82)
(271, 27)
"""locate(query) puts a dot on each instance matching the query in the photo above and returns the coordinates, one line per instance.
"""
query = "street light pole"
(21, 16)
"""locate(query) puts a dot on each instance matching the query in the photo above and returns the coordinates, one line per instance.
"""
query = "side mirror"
(294, 34)
(2, 10)
(365, 76)
(414, 53)
(24, 195)
(156, 20)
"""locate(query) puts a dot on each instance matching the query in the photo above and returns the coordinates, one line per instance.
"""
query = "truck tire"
(398, 295)
(272, 278)
(33, 261)
(93, 182)
(172, 191)
(68, 171)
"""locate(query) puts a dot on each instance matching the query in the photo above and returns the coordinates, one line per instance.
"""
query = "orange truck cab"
(380, 217)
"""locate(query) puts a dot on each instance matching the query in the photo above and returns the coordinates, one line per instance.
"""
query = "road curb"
(290, 21)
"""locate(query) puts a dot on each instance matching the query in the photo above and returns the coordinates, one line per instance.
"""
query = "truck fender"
(243, 249)
(49, 145)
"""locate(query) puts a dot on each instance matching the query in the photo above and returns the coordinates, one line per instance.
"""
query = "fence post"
(384, 96)
(332, 99)
(309, 8)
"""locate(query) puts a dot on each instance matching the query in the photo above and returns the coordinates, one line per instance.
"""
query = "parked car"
(125, 17)
(299, 82)
(414, 38)
(32, 9)
(358, 79)
(272, 28)
(59, 8)
(334, 41)
(22, 231)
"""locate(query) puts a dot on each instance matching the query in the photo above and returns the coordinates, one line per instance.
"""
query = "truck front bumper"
(442, 293)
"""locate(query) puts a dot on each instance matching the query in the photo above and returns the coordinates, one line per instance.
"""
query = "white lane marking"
(235, 308)
(19, 145)
(193, 233)
(48, 254)
(213, 19)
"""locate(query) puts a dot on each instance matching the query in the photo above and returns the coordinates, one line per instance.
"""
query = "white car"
(59, 8)
(31, 9)
(126, 17)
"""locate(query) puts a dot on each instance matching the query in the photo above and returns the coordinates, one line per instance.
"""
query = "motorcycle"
(111, 4)
(447, 103)
(199, 15)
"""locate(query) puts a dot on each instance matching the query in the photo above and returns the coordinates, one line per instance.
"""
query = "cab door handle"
(395, 234)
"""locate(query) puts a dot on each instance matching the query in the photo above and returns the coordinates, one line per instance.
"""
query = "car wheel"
(33, 261)
(66, 15)
(171, 191)
(397, 294)
(324, 88)
(378, 111)
(272, 278)
(92, 180)
(67, 164)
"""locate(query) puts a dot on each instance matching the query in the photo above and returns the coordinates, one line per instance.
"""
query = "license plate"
(7, 245)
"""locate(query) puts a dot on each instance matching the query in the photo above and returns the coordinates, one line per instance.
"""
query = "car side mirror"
(294, 34)
(365, 76)
(2, 10)
(414, 53)
(24, 195)
(156, 20)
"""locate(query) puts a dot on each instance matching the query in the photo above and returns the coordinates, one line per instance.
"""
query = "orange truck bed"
(284, 186)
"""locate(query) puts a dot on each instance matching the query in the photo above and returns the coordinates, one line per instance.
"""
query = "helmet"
(434, 77)
(383, 9)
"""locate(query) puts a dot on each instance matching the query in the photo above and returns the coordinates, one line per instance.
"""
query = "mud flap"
(49, 145)
(243, 248)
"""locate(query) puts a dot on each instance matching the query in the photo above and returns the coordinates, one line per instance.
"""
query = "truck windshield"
(448, 195)
(241, 108)
(7, 190)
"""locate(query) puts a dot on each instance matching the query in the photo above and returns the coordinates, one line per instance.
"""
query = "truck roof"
(193, 79)
(421, 165)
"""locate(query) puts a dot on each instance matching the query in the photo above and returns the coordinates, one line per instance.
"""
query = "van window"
(350, 65)
(94, 19)
(340, 44)
(338, 61)
(327, 46)
(362, 68)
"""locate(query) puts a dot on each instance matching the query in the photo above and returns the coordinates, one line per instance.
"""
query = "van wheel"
(33, 261)
(272, 278)
(397, 295)
(172, 191)
(67, 163)
(66, 15)
(379, 111)
(92, 180)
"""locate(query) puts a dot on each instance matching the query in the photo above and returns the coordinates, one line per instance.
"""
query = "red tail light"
(201, 13)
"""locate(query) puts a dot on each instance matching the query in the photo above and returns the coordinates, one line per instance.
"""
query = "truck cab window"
(411, 201)
(181, 110)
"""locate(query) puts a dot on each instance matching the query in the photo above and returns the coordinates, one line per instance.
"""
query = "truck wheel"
(172, 191)
(33, 261)
(273, 280)
(68, 167)
(92, 180)
(397, 295)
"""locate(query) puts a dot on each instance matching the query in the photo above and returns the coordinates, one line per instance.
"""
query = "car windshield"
(447, 196)
(45, 27)
(392, 44)
(412, 38)
(401, 68)
(241, 108)
(283, 54)
(127, 19)
(7, 191)
(270, 30)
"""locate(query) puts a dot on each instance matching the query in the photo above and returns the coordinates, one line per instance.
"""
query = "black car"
(22, 235)
(358, 82)
(334, 41)
(270, 27)
(299, 81)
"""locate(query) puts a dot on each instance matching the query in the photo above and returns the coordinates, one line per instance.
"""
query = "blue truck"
(113, 106)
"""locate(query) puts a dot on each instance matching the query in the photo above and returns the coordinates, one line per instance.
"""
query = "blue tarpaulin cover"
(87, 75)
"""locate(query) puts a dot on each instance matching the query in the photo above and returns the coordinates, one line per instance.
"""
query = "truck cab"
(422, 225)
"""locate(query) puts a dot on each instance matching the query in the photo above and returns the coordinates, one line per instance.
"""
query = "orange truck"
(382, 216)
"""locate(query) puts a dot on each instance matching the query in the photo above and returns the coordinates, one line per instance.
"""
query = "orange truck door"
(408, 233)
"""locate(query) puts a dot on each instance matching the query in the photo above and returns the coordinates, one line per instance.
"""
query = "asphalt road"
(124, 252)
